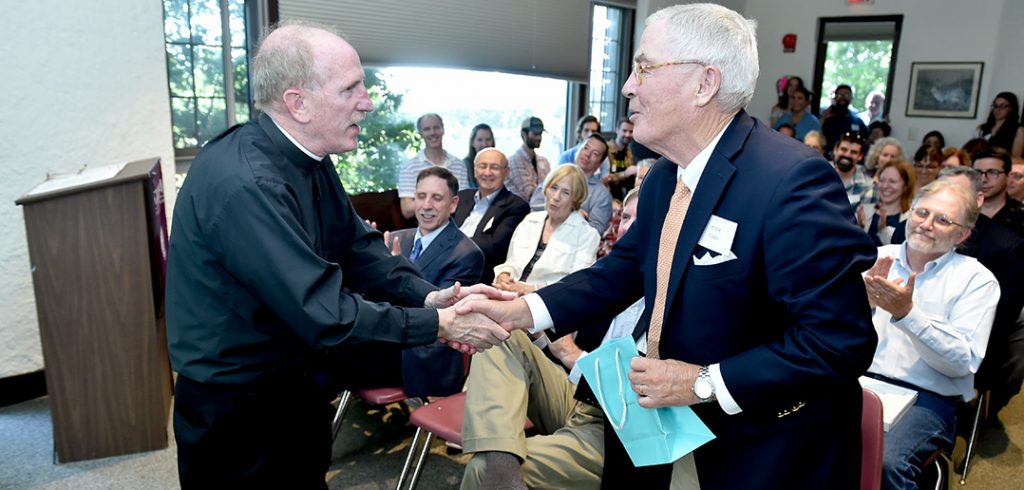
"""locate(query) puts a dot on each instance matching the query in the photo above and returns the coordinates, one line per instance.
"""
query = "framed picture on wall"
(944, 89)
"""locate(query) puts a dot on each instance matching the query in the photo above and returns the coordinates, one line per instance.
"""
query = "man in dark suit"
(444, 256)
(491, 214)
(756, 315)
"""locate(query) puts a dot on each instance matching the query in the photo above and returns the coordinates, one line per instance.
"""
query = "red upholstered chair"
(442, 418)
(872, 439)
(376, 396)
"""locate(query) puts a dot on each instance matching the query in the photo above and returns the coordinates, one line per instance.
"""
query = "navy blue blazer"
(788, 319)
(436, 369)
(494, 233)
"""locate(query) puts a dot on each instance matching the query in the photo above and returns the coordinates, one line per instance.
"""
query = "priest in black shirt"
(265, 263)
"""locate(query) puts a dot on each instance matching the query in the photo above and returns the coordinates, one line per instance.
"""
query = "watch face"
(702, 388)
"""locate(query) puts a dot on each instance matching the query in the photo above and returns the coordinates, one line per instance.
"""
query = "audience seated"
(875, 103)
(786, 86)
(801, 120)
(621, 164)
(994, 166)
(786, 129)
(890, 213)
(974, 146)
(927, 160)
(848, 153)
(1015, 182)
(816, 140)
(431, 129)
(933, 311)
(934, 138)
(882, 151)
(551, 243)
(1001, 251)
(597, 208)
(521, 378)
(527, 169)
(1002, 128)
(586, 126)
(490, 214)
(954, 157)
(443, 256)
(839, 119)
(479, 138)
(642, 168)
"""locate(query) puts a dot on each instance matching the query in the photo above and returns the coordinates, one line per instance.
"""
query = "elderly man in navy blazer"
(749, 261)
(490, 214)
(443, 255)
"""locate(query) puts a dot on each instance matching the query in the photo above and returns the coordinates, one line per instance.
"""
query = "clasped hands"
(892, 296)
(475, 318)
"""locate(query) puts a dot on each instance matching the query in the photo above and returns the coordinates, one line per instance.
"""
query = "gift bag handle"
(600, 391)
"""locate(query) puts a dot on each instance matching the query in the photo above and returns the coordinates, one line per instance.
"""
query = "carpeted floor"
(369, 454)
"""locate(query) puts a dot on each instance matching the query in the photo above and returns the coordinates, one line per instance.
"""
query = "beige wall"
(85, 83)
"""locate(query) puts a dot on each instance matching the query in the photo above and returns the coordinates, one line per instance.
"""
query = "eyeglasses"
(640, 70)
(1000, 106)
(991, 173)
(930, 166)
(1016, 175)
(922, 214)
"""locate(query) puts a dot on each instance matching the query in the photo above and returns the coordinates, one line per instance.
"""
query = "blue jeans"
(927, 426)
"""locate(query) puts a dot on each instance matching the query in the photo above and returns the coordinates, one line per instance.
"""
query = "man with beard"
(933, 312)
(527, 169)
(848, 153)
(597, 207)
(839, 119)
(431, 128)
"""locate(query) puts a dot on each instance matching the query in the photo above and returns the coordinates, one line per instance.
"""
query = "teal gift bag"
(651, 436)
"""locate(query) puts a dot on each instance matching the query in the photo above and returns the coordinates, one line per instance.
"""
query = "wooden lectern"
(97, 247)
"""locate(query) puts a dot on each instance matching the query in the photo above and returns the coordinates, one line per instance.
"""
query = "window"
(609, 63)
(463, 98)
(208, 83)
(859, 52)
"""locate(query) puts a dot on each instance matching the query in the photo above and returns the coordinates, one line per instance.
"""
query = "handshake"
(478, 317)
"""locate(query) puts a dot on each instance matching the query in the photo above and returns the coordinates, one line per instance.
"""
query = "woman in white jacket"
(550, 244)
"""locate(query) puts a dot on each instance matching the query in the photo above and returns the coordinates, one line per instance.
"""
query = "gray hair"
(715, 35)
(632, 194)
(968, 203)
(973, 176)
(871, 161)
(286, 62)
(646, 162)
(419, 121)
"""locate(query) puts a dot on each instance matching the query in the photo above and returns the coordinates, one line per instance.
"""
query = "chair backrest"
(383, 208)
(872, 439)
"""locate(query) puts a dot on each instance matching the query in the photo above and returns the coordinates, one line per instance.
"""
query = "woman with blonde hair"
(551, 243)
(895, 194)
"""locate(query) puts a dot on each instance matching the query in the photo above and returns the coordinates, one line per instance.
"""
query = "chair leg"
(408, 457)
(346, 398)
(974, 437)
(419, 463)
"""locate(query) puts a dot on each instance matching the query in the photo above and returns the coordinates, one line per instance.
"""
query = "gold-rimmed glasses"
(942, 220)
(640, 70)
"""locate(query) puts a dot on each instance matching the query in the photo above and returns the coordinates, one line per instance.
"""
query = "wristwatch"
(702, 386)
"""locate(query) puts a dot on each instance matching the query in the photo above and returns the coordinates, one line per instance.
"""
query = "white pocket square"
(707, 259)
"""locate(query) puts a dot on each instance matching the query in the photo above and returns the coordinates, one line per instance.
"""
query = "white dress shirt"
(939, 345)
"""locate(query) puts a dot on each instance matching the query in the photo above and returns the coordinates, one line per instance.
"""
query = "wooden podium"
(97, 244)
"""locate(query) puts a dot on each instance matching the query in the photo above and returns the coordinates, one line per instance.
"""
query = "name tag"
(718, 235)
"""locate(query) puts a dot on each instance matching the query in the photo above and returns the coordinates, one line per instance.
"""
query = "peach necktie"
(666, 250)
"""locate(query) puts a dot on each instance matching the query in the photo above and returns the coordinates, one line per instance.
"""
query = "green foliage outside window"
(385, 142)
(863, 65)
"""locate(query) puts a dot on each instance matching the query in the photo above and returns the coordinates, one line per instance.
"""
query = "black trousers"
(275, 435)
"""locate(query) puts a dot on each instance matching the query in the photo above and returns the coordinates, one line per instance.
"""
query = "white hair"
(715, 35)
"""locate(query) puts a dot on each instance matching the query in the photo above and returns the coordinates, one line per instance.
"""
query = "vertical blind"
(548, 38)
